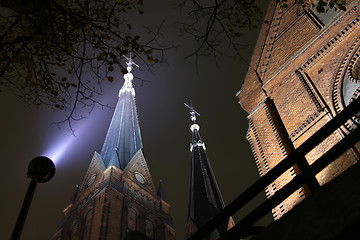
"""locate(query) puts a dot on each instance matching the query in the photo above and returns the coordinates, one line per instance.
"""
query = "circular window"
(91, 180)
(353, 98)
(346, 86)
(140, 178)
(354, 69)
(351, 82)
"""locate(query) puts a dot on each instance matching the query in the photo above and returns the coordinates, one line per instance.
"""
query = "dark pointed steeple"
(77, 188)
(160, 191)
(205, 200)
(123, 139)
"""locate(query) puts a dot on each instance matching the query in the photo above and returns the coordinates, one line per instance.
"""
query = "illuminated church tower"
(118, 199)
(205, 200)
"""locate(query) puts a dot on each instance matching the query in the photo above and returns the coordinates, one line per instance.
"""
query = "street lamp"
(41, 169)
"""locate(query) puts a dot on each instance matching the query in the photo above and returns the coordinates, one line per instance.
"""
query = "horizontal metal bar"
(326, 159)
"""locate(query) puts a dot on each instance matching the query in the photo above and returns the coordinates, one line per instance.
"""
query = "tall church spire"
(117, 199)
(123, 139)
(205, 200)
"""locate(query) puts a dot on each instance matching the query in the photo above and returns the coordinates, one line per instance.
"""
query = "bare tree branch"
(217, 26)
(58, 53)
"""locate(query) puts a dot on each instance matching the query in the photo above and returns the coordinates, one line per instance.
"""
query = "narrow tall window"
(149, 228)
(87, 228)
(75, 231)
(131, 220)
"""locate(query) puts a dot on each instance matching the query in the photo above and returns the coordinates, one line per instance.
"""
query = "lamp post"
(41, 169)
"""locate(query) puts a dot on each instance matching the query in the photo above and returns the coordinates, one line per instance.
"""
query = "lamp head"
(41, 169)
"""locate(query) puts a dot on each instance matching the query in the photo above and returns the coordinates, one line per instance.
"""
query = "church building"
(118, 199)
(303, 72)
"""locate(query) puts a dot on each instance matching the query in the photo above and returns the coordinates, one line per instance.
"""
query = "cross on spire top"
(193, 113)
(130, 63)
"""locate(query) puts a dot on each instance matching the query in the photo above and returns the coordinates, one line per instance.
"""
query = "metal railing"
(245, 226)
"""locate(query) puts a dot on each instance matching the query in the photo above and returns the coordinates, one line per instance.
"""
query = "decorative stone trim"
(345, 70)
(261, 150)
(275, 131)
(271, 37)
(356, 94)
(354, 69)
(308, 90)
(332, 43)
(304, 125)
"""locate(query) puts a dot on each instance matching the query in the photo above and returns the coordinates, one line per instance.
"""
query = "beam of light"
(61, 146)
(56, 150)
(62, 143)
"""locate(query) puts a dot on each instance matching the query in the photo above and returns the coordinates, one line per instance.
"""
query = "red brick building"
(118, 199)
(303, 72)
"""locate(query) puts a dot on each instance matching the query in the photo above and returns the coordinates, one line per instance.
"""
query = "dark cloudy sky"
(164, 121)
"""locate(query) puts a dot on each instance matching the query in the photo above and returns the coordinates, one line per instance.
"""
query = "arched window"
(139, 195)
(87, 228)
(91, 180)
(325, 17)
(149, 229)
(131, 220)
(132, 190)
(75, 231)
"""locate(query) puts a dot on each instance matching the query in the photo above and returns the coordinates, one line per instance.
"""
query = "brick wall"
(101, 209)
(300, 65)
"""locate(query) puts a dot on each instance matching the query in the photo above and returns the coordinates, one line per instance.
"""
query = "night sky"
(26, 132)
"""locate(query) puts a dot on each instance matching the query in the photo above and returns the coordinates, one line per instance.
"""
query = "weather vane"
(128, 76)
(130, 63)
(192, 112)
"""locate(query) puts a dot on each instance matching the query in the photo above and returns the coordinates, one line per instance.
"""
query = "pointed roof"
(205, 200)
(161, 192)
(123, 139)
(138, 171)
(77, 188)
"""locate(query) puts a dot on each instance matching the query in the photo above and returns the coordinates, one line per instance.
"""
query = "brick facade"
(111, 203)
(301, 64)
